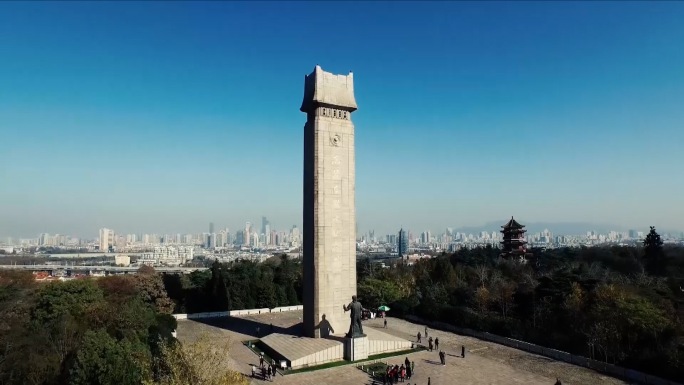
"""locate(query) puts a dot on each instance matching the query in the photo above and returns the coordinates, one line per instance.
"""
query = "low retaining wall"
(235, 313)
(613, 370)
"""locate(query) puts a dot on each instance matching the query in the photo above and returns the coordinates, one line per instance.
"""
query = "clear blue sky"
(164, 116)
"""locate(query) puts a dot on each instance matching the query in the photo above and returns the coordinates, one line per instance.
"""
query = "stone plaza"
(485, 362)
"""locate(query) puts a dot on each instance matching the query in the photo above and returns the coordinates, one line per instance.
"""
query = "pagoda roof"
(512, 224)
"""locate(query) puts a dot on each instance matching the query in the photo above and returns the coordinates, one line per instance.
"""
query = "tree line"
(621, 305)
(113, 330)
(241, 284)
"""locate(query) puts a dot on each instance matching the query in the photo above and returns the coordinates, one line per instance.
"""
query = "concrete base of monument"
(301, 352)
(356, 348)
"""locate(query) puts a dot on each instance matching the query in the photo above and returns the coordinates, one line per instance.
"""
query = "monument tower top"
(324, 89)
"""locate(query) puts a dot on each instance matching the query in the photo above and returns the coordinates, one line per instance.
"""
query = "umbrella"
(383, 308)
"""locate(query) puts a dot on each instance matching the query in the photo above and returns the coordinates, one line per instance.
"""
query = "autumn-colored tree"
(503, 295)
(574, 301)
(152, 291)
(146, 270)
(482, 298)
(202, 362)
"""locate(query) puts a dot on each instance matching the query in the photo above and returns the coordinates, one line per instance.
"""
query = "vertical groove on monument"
(329, 247)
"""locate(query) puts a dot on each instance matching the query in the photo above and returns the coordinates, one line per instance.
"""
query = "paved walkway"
(485, 363)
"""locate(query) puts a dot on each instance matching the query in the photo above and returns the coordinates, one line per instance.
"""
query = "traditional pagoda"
(514, 243)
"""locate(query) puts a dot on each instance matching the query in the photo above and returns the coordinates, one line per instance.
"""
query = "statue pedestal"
(356, 348)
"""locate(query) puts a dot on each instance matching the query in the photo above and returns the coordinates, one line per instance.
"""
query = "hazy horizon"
(557, 228)
(165, 116)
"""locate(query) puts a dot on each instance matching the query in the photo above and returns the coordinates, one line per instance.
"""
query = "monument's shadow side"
(251, 328)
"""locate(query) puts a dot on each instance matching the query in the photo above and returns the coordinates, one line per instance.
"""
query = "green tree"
(266, 295)
(102, 360)
(60, 298)
(219, 298)
(376, 292)
(653, 252)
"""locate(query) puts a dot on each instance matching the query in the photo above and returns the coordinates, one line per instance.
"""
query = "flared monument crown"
(323, 89)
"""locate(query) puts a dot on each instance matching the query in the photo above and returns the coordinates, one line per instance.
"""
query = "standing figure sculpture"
(355, 329)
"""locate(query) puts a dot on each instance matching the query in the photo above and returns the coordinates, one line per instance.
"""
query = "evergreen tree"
(653, 252)
(219, 300)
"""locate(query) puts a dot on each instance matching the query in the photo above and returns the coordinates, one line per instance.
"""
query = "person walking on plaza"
(437, 343)
(253, 370)
(426, 335)
(385, 323)
(430, 343)
(261, 360)
(428, 380)
(409, 372)
(442, 357)
(419, 339)
(413, 367)
(558, 381)
(462, 351)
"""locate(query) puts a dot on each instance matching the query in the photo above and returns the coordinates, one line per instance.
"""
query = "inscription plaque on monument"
(329, 244)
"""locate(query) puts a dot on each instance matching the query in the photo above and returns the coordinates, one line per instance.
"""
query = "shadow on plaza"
(432, 362)
(250, 327)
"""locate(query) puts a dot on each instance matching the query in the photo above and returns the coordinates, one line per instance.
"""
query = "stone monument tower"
(329, 211)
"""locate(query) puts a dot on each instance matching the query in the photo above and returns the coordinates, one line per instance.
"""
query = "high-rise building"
(106, 239)
(402, 243)
(295, 237)
(247, 234)
(265, 224)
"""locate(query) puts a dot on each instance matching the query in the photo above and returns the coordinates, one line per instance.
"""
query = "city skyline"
(558, 228)
(157, 116)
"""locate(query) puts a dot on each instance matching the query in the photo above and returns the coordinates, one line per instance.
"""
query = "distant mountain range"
(557, 228)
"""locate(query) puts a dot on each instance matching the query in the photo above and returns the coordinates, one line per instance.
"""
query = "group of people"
(266, 370)
(395, 374)
(434, 344)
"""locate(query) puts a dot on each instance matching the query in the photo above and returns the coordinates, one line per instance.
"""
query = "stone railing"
(613, 370)
(234, 313)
